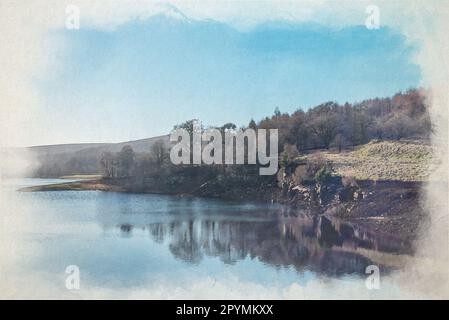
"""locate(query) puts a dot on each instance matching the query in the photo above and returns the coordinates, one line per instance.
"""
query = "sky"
(141, 77)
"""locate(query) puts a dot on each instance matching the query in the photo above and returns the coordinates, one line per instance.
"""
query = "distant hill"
(49, 161)
(140, 146)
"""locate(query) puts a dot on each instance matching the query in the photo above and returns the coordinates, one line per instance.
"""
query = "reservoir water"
(157, 246)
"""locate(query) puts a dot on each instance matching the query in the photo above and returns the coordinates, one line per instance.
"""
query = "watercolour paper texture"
(224, 149)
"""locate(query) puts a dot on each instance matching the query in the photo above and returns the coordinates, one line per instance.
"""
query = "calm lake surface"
(156, 246)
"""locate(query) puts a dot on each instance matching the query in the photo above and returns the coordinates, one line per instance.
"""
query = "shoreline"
(391, 208)
(79, 185)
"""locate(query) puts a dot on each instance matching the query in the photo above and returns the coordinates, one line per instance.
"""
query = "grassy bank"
(385, 160)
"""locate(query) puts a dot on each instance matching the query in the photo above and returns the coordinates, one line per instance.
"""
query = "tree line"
(128, 163)
(328, 125)
(341, 126)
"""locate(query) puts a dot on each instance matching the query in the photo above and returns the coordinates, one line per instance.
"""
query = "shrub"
(322, 175)
(284, 160)
(316, 169)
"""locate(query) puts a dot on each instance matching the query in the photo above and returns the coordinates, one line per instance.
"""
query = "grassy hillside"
(142, 145)
(384, 160)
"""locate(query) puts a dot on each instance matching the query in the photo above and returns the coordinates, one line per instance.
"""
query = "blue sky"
(140, 78)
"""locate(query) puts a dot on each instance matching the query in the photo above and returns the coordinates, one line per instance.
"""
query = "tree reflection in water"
(316, 243)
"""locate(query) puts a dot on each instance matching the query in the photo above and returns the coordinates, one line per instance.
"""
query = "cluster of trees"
(127, 163)
(403, 116)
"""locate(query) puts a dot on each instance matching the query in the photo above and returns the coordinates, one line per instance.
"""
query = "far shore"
(85, 184)
(81, 177)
